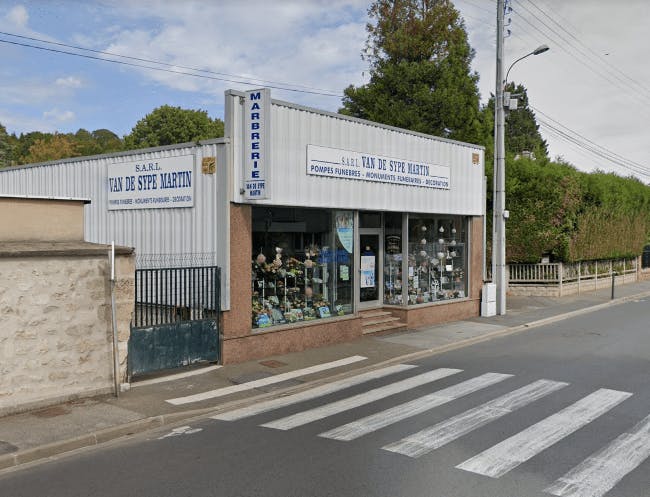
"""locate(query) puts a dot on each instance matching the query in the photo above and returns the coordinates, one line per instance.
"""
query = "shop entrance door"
(370, 264)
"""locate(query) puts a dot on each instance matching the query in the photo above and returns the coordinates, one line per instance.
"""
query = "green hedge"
(571, 215)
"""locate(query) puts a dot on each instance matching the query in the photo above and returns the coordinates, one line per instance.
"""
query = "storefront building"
(346, 227)
(326, 227)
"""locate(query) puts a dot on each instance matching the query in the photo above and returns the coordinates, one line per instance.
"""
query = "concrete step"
(365, 322)
(373, 313)
(384, 328)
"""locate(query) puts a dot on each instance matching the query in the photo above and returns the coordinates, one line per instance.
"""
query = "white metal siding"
(294, 127)
(198, 234)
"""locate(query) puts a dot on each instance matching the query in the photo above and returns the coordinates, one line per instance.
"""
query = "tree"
(5, 147)
(53, 147)
(107, 140)
(25, 141)
(522, 131)
(167, 125)
(420, 76)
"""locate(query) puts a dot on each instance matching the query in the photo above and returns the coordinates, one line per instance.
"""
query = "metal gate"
(176, 319)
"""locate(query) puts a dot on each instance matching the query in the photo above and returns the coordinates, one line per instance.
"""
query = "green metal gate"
(176, 319)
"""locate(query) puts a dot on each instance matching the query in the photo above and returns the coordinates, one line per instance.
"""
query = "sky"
(592, 87)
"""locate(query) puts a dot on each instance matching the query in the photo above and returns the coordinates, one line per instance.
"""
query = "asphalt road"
(558, 410)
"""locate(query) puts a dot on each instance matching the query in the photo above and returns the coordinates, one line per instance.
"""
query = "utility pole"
(499, 197)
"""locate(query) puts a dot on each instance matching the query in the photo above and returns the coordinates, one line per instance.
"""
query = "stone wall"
(571, 288)
(56, 334)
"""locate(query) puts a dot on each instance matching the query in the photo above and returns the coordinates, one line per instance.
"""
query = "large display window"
(303, 265)
(437, 259)
(393, 293)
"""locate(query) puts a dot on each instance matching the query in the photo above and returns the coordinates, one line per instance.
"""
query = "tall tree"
(53, 147)
(107, 140)
(521, 131)
(167, 125)
(5, 147)
(420, 75)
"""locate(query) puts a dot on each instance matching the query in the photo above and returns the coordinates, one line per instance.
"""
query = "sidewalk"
(44, 433)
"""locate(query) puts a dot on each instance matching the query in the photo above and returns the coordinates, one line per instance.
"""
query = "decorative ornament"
(441, 230)
(260, 259)
(424, 228)
(423, 253)
(441, 241)
(453, 231)
(423, 241)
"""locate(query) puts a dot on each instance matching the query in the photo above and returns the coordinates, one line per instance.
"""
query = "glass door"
(370, 264)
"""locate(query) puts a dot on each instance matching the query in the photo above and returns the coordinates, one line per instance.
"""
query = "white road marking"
(220, 392)
(451, 429)
(507, 455)
(600, 472)
(181, 430)
(374, 422)
(361, 399)
(172, 377)
(312, 393)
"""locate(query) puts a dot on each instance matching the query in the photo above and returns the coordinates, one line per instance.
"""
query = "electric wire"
(204, 76)
(592, 150)
(596, 54)
(574, 147)
(151, 61)
(591, 142)
(567, 46)
(570, 136)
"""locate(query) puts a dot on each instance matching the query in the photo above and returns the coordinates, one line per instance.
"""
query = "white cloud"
(17, 16)
(21, 123)
(312, 44)
(594, 94)
(58, 115)
(69, 82)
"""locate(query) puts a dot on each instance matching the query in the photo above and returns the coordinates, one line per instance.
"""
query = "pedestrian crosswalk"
(596, 476)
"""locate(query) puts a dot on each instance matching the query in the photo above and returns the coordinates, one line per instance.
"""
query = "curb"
(54, 449)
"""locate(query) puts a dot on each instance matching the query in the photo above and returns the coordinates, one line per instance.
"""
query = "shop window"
(393, 257)
(302, 268)
(437, 259)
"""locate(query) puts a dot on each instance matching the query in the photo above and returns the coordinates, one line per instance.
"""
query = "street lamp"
(500, 214)
(537, 51)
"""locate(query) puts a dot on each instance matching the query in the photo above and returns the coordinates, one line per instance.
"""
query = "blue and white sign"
(257, 115)
(151, 184)
(337, 163)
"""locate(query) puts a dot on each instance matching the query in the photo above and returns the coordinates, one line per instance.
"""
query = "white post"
(116, 358)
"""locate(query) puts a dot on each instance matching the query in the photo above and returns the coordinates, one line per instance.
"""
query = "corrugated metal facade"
(197, 235)
(294, 127)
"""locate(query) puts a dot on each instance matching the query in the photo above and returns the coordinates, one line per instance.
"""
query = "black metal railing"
(172, 295)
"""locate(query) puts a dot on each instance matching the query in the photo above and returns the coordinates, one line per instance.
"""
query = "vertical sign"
(257, 116)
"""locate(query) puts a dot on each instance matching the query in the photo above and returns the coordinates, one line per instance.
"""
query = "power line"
(249, 81)
(573, 146)
(151, 61)
(595, 152)
(631, 162)
(591, 58)
(621, 84)
(569, 135)
(599, 56)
